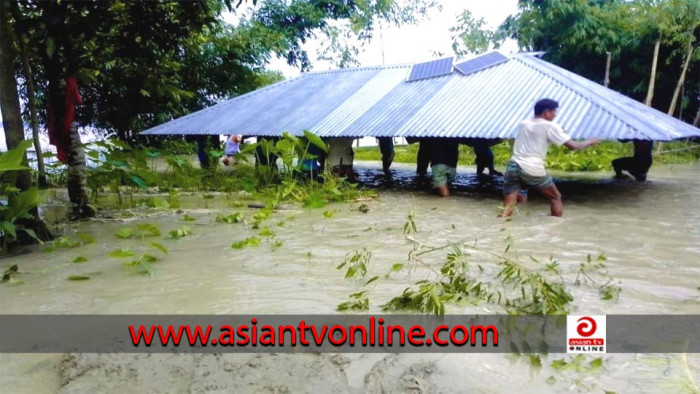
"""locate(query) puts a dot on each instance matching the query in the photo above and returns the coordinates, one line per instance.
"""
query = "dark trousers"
(484, 158)
(636, 167)
(424, 157)
(386, 147)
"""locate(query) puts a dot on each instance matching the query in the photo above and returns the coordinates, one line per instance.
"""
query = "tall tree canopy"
(140, 63)
(579, 34)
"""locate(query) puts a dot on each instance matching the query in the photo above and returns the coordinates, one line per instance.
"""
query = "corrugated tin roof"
(377, 101)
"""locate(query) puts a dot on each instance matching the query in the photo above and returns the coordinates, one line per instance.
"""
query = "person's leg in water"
(424, 155)
(510, 201)
(619, 165)
(443, 176)
(511, 188)
(556, 205)
(482, 158)
(386, 147)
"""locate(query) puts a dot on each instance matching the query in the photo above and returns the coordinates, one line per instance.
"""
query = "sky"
(404, 44)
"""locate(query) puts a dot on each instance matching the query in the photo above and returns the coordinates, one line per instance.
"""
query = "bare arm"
(575, 145)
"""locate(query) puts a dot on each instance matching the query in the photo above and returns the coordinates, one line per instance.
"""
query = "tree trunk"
(696, 122)
(652, 78)
(9, 99)
(77, 177)
(12, 123)
(57, 70)
(31, 97)
(681, 80)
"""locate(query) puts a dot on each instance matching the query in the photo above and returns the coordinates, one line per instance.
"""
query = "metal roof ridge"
(462, 60)
(637, 124)
(353, 69)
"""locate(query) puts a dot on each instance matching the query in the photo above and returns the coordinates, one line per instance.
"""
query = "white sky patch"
(413, 43)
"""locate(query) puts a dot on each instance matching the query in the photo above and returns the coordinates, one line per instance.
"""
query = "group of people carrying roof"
(525, 170)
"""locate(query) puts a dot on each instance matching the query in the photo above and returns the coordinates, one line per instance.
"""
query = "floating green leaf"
(121, 253)
(159, 247)
(251, 241)
(80, 259)
(78, 277)
(85, 238)
(125, 233)
(148, 230)
(266, 232)
(182, 232)
(235, 217)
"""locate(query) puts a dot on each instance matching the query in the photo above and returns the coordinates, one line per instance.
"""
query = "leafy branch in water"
(536, 293)
(454, 285)
(358, 302)
(594, 269)
(357, 264)
(533, 287)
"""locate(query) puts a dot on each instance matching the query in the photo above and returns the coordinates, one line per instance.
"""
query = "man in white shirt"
(526, 167)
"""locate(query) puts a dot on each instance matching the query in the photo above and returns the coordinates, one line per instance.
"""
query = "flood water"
(650, 234)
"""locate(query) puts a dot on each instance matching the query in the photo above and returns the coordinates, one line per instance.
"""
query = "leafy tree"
(470, 36)
(578, 34)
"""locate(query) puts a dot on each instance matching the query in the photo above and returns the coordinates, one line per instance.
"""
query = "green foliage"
(455, 285)
(357, 302)
(181, 232)
(578, 34)
(250, 241)
(142, 231)
(537, 294)
(144, 263)
(235, 217)
(80, 259)
(357, 263)
(65, 241)
(593, 272)
(578, 363)
(121, 253)
(188, 218)
(20, 204)
(143, 63)
(78, 277)
(470, 36)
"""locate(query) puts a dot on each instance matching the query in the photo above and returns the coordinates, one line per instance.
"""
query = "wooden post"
(606, 82)
(652, 78)
(681, 80)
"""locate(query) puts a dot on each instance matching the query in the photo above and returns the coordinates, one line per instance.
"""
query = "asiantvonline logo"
(585, 334)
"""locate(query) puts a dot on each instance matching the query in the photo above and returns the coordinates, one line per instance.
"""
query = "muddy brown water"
(649, 232)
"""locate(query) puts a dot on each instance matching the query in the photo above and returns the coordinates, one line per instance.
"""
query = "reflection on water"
(649, 232)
